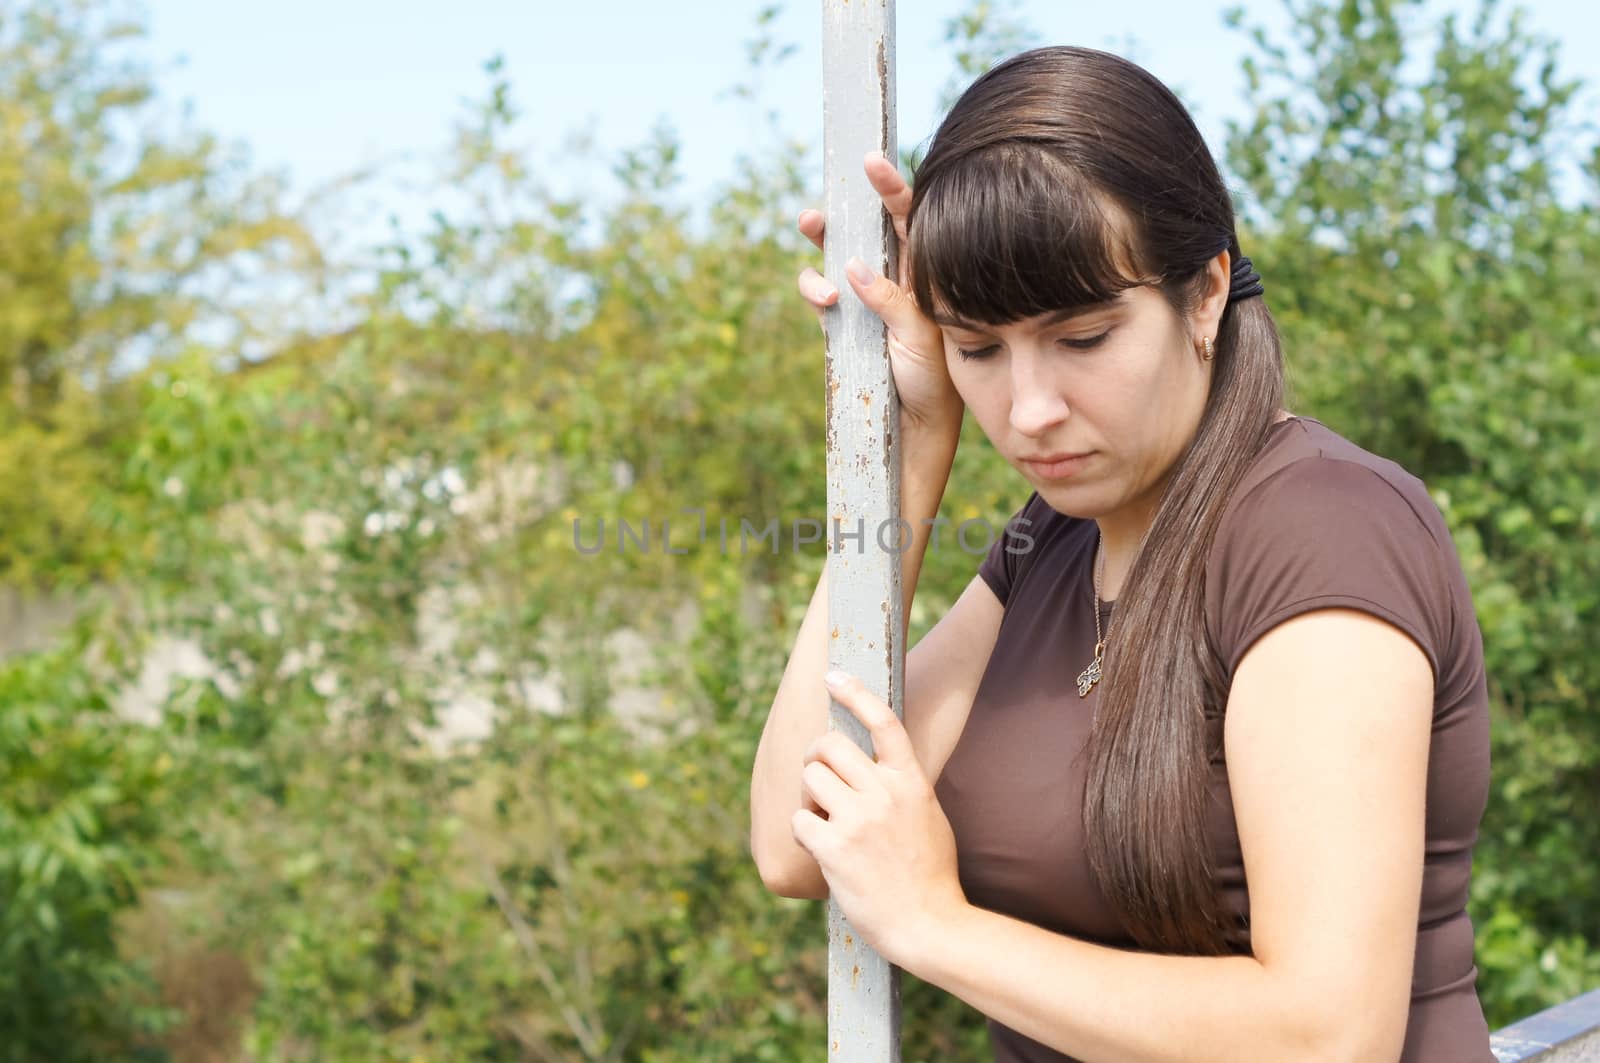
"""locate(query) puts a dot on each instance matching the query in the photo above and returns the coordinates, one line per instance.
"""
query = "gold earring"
(1206, 343)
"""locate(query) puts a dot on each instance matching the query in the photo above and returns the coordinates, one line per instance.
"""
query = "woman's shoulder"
(1316, 522)
(1313, 477)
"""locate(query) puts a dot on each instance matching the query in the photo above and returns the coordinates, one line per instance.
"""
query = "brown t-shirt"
(1316, 523)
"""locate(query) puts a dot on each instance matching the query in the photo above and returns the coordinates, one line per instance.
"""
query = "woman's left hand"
(883, 843)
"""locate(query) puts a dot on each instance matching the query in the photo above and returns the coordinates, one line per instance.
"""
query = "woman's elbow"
(789, 876)
(1368, 1047)
(799, 889)
(1354, 1038)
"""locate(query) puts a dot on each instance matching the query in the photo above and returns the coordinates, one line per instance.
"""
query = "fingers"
(892, 303)
(817, 289)
(890, 741)
(882, 296)
(822, 788)
(843, 757)
(891, 188)
(885, 298)
(811, 224)
(806, 826)
(884, 176)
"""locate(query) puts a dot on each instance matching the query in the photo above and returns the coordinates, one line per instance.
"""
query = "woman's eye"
(980, 353)
(1084, 345)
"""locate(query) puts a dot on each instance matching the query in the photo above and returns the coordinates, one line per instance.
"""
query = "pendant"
(1091, 675)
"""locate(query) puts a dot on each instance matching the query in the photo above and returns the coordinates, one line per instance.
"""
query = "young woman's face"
(1118, 389)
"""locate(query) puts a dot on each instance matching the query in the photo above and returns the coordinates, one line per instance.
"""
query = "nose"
(1037, 405)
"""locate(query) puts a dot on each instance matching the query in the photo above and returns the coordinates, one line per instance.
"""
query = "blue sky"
(322, 88)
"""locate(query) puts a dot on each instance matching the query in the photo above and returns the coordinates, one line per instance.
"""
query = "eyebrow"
(1055, 318)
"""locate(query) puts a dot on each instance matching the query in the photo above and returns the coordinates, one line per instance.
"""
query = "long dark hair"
(1062, 176)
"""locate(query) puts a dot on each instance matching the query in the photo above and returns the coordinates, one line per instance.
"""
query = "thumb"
(892, 303)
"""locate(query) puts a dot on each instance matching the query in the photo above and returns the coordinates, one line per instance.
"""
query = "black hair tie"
(1246, 282)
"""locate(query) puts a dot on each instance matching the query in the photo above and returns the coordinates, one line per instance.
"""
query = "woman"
(1193, 768)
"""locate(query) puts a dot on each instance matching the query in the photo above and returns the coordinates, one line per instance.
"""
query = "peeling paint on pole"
(865, 600)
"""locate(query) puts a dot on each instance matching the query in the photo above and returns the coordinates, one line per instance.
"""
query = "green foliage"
(80, 815)
(119, 241)
(405, 898)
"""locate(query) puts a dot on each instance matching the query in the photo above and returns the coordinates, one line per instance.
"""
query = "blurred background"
(328, 331)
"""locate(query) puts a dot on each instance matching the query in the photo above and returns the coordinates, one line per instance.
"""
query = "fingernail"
(859, 272)
(835, 678)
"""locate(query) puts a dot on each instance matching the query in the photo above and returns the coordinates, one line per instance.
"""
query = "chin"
(1070, 500)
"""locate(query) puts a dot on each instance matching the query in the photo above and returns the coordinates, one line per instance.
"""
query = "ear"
(1208, 314)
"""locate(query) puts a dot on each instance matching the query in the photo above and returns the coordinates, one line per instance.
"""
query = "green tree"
(576, 885)
(81, 814)
(117, 242)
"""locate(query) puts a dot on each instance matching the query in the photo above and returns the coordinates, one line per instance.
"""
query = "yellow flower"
(639, 780)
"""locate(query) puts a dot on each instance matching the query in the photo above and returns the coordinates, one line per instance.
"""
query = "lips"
(1057, 467)
(1047, 459)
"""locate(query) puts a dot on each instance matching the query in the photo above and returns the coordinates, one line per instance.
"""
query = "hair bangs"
(1010, 232)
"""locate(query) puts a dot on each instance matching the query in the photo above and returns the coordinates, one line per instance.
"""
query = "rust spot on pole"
(885, 119)
(833, 385)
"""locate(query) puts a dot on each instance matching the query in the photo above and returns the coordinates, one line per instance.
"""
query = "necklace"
(1091, 675)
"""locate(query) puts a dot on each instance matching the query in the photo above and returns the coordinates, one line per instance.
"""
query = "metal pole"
(865, 600)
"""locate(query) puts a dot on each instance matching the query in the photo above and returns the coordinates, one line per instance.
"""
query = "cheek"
(1179, 397)
(1144, 404)
(969, 380)
(986, 397)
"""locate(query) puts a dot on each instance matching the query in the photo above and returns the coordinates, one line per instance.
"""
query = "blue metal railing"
(1566, 1033)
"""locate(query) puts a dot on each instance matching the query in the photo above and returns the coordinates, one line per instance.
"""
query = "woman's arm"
(799, 712)
(1327, 735)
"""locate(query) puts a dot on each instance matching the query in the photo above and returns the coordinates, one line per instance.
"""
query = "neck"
(1120, 535)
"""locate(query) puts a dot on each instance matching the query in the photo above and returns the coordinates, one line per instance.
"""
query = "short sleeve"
(999, 567)
(1325, 533)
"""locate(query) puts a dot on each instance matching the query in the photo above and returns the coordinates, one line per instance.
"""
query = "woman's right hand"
(916, 345)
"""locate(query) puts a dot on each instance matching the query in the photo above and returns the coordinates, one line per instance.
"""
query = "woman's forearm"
(799, 712)
(1097, 1003)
